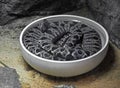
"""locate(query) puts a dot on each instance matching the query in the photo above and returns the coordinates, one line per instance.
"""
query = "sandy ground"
(106, 75)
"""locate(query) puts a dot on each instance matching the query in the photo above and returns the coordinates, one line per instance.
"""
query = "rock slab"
(11, 9)
(9, 78)
(107, 13)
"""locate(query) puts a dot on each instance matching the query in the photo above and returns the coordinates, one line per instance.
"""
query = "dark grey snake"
(62, 40)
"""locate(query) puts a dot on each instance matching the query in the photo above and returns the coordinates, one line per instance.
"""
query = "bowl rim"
(72, 61)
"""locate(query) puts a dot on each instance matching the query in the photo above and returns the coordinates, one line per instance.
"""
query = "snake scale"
(62, 40)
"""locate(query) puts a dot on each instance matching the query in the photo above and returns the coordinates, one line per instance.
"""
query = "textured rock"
(8, 78)
(11, 9)
(107, 12)
(64, 86)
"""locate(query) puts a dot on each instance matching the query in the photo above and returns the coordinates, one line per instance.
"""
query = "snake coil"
(62, 40)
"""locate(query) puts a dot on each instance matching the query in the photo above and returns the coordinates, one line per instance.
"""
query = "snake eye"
(69, 57)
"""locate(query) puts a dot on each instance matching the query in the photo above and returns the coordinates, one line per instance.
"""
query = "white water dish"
(72, 53)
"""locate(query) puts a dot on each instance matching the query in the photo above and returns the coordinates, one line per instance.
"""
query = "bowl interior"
(102, 32)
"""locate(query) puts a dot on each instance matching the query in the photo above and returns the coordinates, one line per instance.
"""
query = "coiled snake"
(62, 40)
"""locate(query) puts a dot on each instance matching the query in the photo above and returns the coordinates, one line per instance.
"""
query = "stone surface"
(12, 9)
(107, 12)
(106, 75)
(9, 78)
(64, 86)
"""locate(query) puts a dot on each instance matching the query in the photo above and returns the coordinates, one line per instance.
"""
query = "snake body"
(62, 40)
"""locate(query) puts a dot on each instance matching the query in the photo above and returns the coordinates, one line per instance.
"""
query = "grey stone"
(64, 86)
(9, 78)
(107, 13)
(12, 9)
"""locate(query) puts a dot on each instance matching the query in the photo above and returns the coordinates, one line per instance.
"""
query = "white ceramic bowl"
(66, 68)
